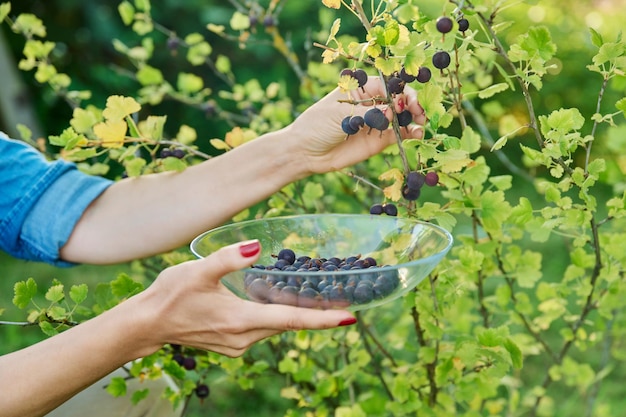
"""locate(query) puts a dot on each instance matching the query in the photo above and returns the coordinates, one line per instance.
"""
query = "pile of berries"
(327, 287)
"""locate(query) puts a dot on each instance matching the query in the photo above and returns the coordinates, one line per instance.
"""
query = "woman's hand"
(190, 307)
(324, 143)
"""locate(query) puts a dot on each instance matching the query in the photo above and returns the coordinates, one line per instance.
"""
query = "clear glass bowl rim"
(447, 235)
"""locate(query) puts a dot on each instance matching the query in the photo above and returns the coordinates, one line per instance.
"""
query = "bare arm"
(143, 216)
(186, 305)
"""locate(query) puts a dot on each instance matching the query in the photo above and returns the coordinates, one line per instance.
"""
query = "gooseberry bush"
(497, 328)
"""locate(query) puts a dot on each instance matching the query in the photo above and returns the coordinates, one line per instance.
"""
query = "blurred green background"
(84, 31)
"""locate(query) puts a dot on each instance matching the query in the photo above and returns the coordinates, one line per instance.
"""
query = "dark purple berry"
(376, 119)
(202, 391)
(348, 72)
(356, 123)
(189, 363)
(441, 59)
(254, 20)
(406, 77)
(395, 85)
(361, 77)
(287, 255)
(390, 209)
(259, 290)
(405, 118)
(363, 294)
(377, 209)
(269, 21)
(415, 180)
(165, 153)
(345, 126)
(411, 194)
(178, 153)
(432, 179)
(444, 24)
(173, 43)
(178, 358)
(463, 24)
(424, 74)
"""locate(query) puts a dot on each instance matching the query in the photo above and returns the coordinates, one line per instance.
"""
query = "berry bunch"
(176, 153)
(352, 124)
(415, 181)
(389, 209)
(358, 74)
(326, 288)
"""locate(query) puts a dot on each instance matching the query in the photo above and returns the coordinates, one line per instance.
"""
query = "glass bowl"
(376, 258)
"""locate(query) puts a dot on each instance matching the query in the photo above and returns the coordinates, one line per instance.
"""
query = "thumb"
(231, 258)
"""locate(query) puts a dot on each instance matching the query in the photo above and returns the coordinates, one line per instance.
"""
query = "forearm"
(143, 216)
(37, 379)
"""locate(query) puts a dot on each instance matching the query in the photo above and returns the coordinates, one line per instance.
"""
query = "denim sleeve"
(40, 201)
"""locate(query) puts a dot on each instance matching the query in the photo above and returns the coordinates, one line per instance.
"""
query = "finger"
(228, 259)
(276, 317)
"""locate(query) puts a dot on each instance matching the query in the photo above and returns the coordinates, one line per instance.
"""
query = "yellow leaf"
(234, 138)
(239, 136)
(118, 107)
(219, 144)
(329, 56)
(332, 4)
(394, 191)
(347, 83)
(111, 133)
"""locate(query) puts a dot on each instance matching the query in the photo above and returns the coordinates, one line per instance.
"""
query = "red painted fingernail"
(250, 249)
(347, 322)
(401, 104)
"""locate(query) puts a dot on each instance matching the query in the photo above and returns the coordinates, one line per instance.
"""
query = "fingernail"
(401, 105)
(347, 322)
(250, 249)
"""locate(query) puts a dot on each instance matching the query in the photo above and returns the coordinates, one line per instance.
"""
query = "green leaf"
(149, 75)
(28, 25)
(83, 120)
(140, 395)
(117, 386)
(189, 83)
(621, 105)
(134, 167)
(470, 140)
(493, 90)
(78, 293)
(596, 38)
(174, 164)
(387, 65)
(198, 53)
(391, 33)
(68, 139)
(127, 12)
(153, 127)
(239, 21)
(515, 352)
(502, 182)
(24, 291)
(5, 9)
(334, 29)
(55, 293)
(609, 52)
(313, 191)
(48, 329)
(495, 210)
(143, 5)
(562, 120)
(124, 286)
(538, 41)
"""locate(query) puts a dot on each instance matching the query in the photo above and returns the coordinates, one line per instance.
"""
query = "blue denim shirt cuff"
(49, 224)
